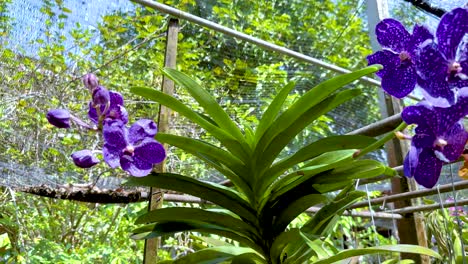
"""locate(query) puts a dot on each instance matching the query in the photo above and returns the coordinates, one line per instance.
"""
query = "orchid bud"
(90, 81)
(59, 118)
(84, 158)
(101, 96)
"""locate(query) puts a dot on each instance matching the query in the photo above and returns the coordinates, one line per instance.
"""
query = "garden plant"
(270, 191)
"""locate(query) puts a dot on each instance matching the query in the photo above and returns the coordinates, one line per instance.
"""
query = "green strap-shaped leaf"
(213, 255)
(319, 147)
(296, 208)
(345, 254)
(169, 228)
(249, 135)
(273, 110)
(287, 133)
(299, 183)
(320, 223)
(317, 165)
(214, 156)
(230, 142)
(248, 258)
(286, 244)
(313, 97)
(189, 215)
(212, 108)
(344, 175)
(215, 193)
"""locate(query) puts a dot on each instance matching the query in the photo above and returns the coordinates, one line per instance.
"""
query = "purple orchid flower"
(90, 81)
(115, 110)
(440, 138)
(134, 149)
(101, 96)
(84, 158)
(399, 71)
(59, 118)
(442, 65)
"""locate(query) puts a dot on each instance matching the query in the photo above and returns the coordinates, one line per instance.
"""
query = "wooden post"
(156, 196)
(411, 228)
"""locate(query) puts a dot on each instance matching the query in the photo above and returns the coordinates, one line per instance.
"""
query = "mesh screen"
(245, 76)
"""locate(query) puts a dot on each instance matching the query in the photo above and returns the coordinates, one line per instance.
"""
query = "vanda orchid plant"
(268, 192)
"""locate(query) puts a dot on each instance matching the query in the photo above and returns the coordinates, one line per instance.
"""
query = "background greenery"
(127, 50)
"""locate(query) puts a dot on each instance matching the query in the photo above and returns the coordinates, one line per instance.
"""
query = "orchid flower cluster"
(134, 149)
(438, 65)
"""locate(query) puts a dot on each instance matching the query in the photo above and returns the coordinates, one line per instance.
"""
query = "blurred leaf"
(212, 108)
(212, 192)
(345, 254)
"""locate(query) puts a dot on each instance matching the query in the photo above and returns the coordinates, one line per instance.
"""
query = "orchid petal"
(420, 35)
(392, 34)
(150, 151)
(135, 167)
(115, 134)
(430, 63)
(84, 158)
(399, 82)
(456, 138)
(112, 155)
(428, 169)
(388, 59)
(452, 28)
(142, 129)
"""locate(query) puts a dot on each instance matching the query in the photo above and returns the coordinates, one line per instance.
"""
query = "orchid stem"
(389, 136)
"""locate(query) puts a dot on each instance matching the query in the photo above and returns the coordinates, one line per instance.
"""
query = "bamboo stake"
(156, 198)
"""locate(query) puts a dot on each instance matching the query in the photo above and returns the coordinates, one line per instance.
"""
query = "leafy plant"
(448, 234)
(268, 192)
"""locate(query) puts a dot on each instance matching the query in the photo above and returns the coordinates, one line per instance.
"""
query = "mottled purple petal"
(400, 82)
(388, 59)
(430, 63)
(59, 118)
(135, 167)
(438, 91)
(92, 113)
(420, 35)
(452, 28)
(428, 169)
(116, 98)
(411, 161)
(84, 158)
(456, 138)
(118, 112)
(150, 151)
(112, 155)
(424, 140)
(115, 134)
(101, 96)
(462, 53)
(392, 34)
(421, 114)
(142, 129)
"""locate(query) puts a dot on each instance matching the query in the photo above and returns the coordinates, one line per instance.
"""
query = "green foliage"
(129, 53)
(43, 230)
(257, 211)
(449, 230)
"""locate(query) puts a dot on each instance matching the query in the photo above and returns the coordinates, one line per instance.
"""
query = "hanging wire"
(449, 239)
(376, 238)
(355, 13)
(457, 216)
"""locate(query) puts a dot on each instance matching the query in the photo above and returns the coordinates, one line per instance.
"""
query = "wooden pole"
(411, 228)
(156, 196)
